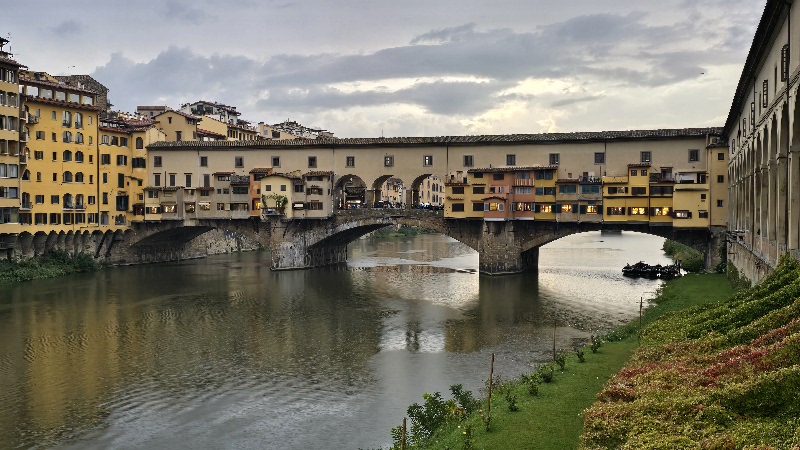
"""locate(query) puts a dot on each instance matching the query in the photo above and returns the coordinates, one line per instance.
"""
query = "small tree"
(280, 201)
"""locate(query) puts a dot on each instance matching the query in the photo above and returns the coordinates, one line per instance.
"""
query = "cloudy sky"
(362, 68)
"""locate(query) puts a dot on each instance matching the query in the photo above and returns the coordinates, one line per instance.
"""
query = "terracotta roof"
(261, 170)
(202, 132)
(29, 98)
(568, 180)
(115, 130)
(512, 169)
(63, 86)
(188, 116)
(10, 61)
(510, 139)
(160, 108)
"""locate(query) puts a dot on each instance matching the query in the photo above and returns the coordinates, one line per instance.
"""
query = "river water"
(223, 353)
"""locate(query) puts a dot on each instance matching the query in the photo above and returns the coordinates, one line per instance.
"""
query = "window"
(79, 156)
(566, 209)
(55, 178)
(427, 160)
(721, 156)
(511, 160)
(617, 190)
(120, 180)
(238, 161)
(458, 207)
(299, 188)
(79, 177)
(283, 188)
(637, 211)
(188, 180)
(523, 175)
(567, 189)
(634, 172)
(720, 203)
(55, 200)
(522, 190)
(122, 160)
(544, 174)
(522, 207)
(157, 161)
(138, 163)
(702, 214)
(67, 177)
(615, 211)
(545, 191)
(663, 211)
(178, 135)
(498, 176)
(543, 208)
(478, 190)
(123, 142)
(312, 162)
(477, 207)
(590, 189)
(590, 209)
(39, 155)
(105, 178)
(139, 143)
(54, 137)
(104, 140)
(599, 158)
(172, 179)
(683, 214)
(554, 159)
(276, 161)
(645, 157)
(351, 161)
(694, 155)
(40, 135)
(156, 179)
(639, 191)
(388, 161)
(720, 178)
(105, 158)
(477, 175)
(469, 161)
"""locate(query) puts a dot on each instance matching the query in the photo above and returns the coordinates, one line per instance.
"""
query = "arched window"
(79, 138)
(79, 177)
(67, 156)
(26, 175)
(79, 156)
(67, 177)
(78, 120)
(79, 202)
(139, 143)
(67, 202)
(67, 119)
(68, 137)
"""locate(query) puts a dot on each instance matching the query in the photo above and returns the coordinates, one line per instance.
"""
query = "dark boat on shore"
(642, 270)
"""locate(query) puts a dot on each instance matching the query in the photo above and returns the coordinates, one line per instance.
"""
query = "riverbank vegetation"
(543, 409)
(51, 264)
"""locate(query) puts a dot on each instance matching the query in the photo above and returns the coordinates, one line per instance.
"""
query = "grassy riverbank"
(553, 418)
(54, 263)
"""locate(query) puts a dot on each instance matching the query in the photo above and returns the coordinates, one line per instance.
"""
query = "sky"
(371, 68)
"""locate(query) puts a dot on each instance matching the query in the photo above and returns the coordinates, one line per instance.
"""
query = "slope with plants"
(717, 376)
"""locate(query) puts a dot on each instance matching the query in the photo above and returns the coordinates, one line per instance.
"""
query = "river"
(221, 352)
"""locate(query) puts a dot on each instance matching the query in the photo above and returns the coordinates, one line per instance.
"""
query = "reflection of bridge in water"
(503, 246)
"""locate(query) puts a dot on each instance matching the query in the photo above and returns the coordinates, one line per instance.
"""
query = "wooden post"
(403, 440)
(641, 300)
(491, 380)
(555, 322)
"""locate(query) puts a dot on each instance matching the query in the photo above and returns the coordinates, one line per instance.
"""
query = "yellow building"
(13, 158)
(178, 126)
(61, 179)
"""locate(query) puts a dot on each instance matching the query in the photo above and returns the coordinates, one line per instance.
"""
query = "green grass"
(553, 419)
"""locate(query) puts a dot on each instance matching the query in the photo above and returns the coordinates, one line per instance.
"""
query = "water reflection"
(222, 352)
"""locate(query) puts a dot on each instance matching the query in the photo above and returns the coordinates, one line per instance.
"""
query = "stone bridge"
(503, 247)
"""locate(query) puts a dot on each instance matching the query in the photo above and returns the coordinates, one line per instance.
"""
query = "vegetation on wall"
(53, 263)
(691, 260)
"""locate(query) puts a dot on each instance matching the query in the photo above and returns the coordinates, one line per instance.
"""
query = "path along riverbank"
(553, 419)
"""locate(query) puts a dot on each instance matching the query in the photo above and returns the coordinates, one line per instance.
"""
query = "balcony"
(23, 158)
(518, 182)
(24, 137)
(80, 207)
(27, 206)
(67, 124)
(30, 118)
(590, 180)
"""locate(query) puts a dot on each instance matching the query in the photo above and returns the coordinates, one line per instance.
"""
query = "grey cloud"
(574, 100)
(67, 28)
(184, 12)
(445, 34)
